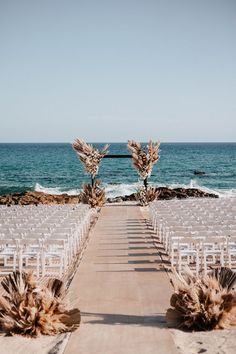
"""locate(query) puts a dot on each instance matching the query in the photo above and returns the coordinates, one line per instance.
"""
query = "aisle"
(121, 289)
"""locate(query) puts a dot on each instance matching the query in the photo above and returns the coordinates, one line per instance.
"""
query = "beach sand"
(41, 345)
(213, 342)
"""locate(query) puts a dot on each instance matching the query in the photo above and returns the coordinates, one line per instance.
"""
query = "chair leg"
(229, 260)
(37, 266)
(205, 263)
(197, 264)
(20, 262)
(172, 258)
(43, 264)
(222, 259)
(61, 266)
(179, 263)
(14, 262)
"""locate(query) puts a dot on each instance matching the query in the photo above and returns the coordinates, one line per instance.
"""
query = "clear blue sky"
(113, 70)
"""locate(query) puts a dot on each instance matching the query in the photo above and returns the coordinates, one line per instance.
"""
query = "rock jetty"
(168, 193)
(36, 198)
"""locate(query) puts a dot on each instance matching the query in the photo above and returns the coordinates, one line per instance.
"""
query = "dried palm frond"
(93, 195)
(203, 302)
(90, 156)
(29, 309)
(144, 197)
(144, 159)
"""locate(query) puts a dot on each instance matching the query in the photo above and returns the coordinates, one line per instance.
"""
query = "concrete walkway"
(121, 289)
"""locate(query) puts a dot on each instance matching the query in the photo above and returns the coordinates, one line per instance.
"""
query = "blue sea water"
(55, 168)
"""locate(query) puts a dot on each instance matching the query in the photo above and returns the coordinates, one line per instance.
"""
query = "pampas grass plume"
(30, 309)
(203, 302)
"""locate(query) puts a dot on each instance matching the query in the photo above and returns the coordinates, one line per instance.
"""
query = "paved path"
(121, 289)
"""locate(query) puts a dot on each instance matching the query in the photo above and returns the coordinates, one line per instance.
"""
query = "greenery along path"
(121, 289)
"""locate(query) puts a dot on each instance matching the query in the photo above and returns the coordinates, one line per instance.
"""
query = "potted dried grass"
(92, 194)
(30, 309)
(144, 161)
(205, 302)
(145, 196)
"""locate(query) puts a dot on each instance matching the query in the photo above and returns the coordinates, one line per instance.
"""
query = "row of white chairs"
(49, 243)
(197, 232)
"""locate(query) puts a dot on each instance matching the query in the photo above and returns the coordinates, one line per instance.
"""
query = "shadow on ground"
(157, 320)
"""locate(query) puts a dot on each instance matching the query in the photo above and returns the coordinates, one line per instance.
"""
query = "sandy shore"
(214, 342)
(41, 345)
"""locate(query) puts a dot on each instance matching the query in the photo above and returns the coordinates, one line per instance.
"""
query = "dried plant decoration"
(144, 197)
(30, 309)
(144, 159)
(203, 302)
(93, 195)
(89, 156)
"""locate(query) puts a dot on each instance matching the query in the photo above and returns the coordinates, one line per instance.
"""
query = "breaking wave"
(115, 190)
(55, 190)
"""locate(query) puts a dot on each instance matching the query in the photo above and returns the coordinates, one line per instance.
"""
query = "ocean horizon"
(54, 168)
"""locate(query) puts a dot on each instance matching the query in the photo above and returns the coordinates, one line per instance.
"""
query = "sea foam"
(115, 190)
(55, 190)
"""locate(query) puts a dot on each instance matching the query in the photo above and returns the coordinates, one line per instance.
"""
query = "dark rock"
(199, 173)
(36, 198)
(124, 198)
(168, 193)
(130, 197)
(183, 193)
(115, 200)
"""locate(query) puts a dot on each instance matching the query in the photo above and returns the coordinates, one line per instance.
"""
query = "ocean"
(55, 168)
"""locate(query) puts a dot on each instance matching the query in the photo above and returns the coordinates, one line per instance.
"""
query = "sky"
(117, 70)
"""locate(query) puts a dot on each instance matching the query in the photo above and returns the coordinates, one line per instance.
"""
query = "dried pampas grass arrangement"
(144, 159)
(89, 156)
(203, 302)
(29, 309)
(93, 195)
(144, 197)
